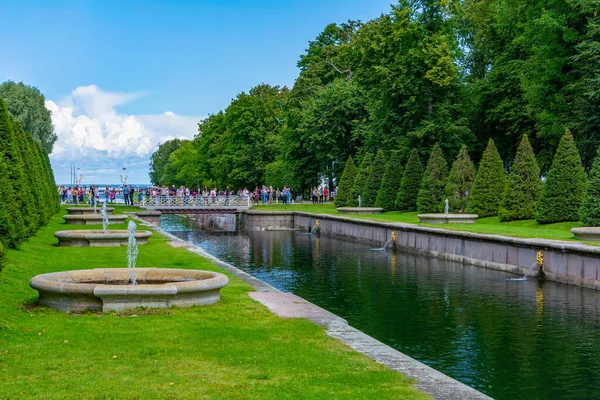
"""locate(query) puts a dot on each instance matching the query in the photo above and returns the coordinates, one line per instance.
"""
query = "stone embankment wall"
(573, 263)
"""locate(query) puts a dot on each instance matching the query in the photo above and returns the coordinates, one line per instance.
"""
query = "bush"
(359, 183)
(589, 213)
(460, 181)
(431, 192)
(411, 183)
(563, 191)
(374, 181)
(524, 185)
(346, 182)
(390, 184)
(488, 188)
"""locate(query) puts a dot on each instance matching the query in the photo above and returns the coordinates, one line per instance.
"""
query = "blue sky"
(122, 76)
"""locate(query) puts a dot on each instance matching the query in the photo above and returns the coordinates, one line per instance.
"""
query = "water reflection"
(509, 339)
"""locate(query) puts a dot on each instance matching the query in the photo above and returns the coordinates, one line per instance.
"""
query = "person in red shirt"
(325, 194)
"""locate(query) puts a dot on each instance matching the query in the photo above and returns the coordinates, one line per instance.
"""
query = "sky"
(121, 77)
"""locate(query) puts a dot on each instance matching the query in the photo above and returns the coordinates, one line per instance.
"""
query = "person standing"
(326, 194)
(131, 192)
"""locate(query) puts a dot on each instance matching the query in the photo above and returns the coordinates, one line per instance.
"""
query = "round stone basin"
(447, 218)
(590, 234)
(152, 217)
(98, 238)
(359, 210)
(107, 289)
(93, 219)
(87, 210)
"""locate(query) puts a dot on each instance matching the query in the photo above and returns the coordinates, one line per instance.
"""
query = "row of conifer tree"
(565, 193)
(28, 194)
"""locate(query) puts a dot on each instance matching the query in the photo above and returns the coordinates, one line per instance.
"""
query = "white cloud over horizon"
(94, 136)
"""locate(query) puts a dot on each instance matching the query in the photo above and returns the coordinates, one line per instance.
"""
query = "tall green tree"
(523, 187)
(406, 198)
(371, 186)
(160, 158)
(27, 105)
(589, 213)
(459, 182)
(488, 188)
(346, 183)
(390, 184)
(563, 190)
(431, 193)
(361, 178)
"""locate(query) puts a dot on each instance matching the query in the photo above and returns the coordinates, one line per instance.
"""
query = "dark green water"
(508, 339)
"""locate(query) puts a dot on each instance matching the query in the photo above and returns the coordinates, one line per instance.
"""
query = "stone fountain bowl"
(448, 218)
(87, 210)
(93, 219)
(590, 234)
(107, 289)
(359, 210)
(98, 238)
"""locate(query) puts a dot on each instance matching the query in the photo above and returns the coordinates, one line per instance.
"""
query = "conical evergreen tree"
(563, 191)
(374, 181)
(390, 184)
(411, 183)
(431, 193)
(589, 213)
(488, 188)
(523, 187)
(459, 182)
(23, 192)
(361, 178)
(8, 235)
(346, 182)
(40, 209)
(12, 175)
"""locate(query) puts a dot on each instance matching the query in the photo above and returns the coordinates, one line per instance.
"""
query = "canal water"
(508, 339)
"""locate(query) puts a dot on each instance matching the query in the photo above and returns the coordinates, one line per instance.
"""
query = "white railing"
(198, 201)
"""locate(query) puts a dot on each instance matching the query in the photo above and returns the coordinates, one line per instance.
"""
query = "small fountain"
(132, 252)
(117, 289)
(392, 239)
(94, 197)
(359, 201)
(539, 261)
(446, 208)
(104, 214)
(446, 217)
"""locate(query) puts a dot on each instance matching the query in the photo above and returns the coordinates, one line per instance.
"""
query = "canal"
(508, 339)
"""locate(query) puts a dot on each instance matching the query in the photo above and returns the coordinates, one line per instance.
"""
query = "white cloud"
(94, 136)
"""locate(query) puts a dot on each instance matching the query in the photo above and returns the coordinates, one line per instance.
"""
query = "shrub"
(589, 213)
(359, 183)
(431, 192)
(411, 183)
(390, 184)
(563, 191)
(460, 180)
(523, 187)
(374, 181)
(346, 182)
(488, 187)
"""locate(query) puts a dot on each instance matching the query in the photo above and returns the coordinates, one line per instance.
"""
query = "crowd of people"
(187, 196)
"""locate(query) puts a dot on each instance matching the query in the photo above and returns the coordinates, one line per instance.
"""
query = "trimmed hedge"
(390, 184)
(28, 195)
(431, 193)
(486, 196)
(346, 183)
(371, 188)
(411, 183)
(563, 191)
(524, 185)
(460, 181)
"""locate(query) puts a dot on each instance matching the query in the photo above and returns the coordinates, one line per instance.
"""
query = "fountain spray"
(132, 252)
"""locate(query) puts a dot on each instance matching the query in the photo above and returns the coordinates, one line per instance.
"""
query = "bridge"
(177, 209)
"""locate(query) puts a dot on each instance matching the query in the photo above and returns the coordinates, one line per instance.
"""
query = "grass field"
(491, 225)
(235, 349)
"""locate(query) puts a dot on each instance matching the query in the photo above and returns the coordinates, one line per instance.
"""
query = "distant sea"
(110, 185)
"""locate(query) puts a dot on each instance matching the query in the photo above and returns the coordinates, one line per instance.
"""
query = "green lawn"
(235, 349)
(491, 225)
